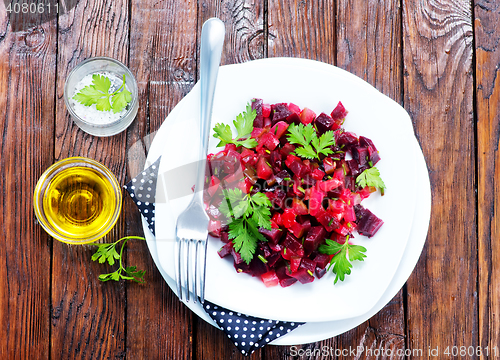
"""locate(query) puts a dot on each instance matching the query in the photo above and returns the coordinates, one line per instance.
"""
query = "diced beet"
(315, 201)
(225, 250)
(264, 171)
(364, 141)
(329, 185)
(213, 212)
(323, 123)
(322, 260)
(242, 267)
(315, 236)
(237, 257)
(319, 272)
(353, 167)
(259, 120)
(257, 267)
(266, 110)
(294, 108)
(273, 259)
(287, 282)
(308, 264)
(304, 276)
(298, 207)
(257, 133)
(347, 138)
(327, 220)
(300, 229)
(294, 265)
(214, 228)
(272, 235)
(339, 112)
(279, 129)
(269, 140)
(349, 214)
(307, 116)
(360, 154)
(293, 119)
(280, 176)
(368, 223)
(279, 198)
(373, 155)
(291, 243)
(224, 237)
(264, 247)
(280, 112)
(270, 279)
(317, 174)
(275, 247)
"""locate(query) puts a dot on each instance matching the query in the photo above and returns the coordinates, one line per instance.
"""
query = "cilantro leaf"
(371, 177)
(108, 252)
(312, 146)
(343, 255)
(98, 94)
(244, 127)
(247, 214)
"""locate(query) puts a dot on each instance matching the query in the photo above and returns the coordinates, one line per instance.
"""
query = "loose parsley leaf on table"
(247, 213)
(107, 252)
(98, 93)
(312, 146)
(371, 177)
(343, 255)
(244, 127)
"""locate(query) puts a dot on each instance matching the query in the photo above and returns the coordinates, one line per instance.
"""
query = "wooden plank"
(27, 78)
(165, 69)
(438, 94)
(487, 17)
(304, 29)
(88, 318)
(369, 46)
(244, 41)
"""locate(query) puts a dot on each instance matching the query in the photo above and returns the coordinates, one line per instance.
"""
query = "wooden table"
(439, 59)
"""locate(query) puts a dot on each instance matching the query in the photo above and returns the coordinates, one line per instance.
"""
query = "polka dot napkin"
(248, 333)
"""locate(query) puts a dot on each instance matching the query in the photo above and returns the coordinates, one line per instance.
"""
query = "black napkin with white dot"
(248, 333)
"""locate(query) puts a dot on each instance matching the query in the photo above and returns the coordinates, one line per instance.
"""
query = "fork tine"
(177, 265)
(192, 267)
(187, 263)
(202, 266)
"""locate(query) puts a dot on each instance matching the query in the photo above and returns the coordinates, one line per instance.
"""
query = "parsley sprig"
(248, 213)
(107, 252)
(344, 254)
(312, 146)
(98, 94)
(244, 127)
(371, 177)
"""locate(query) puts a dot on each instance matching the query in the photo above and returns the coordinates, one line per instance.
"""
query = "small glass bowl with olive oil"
(77, 200)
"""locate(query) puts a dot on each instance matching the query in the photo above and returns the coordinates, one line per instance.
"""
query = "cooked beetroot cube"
(287, 282)
(280, 112)
(323, 123)
(270, 279)
(353, 167)
(279, 129)
(322, 260)
(339, 112)
(266, 110)
(347, 138)
(360, 154)
(291, 243)
(273, 259)
(320, 272)
(275, 247)
(294, 118)
(224, 237)
(368, 223)
(272, 235)
(299, 229)
(304, 276)
(373, 155)
(237, 257)
(308, 264)
(350, 183)
(257, 106)
(242, 267)
(364, 141)
(327, 220)
(307, 116)
(315, 236)
(264, 247)
(281, 272)
(280, 176)
(257, 267)
(225, 250)
(279, 198)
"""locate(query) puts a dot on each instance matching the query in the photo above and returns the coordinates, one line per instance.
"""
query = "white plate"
(318, 86)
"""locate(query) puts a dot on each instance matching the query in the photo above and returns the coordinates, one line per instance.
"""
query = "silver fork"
(192, 223)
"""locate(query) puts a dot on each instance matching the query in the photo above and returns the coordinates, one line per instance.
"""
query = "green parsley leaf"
(247, 214)
(370, 177)
(108, 252)
(244, 127)
(343, 255)
(307, 137)
(98, 94)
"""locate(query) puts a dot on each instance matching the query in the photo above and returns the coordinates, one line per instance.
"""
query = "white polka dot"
(221, 321)
(228, 328)
(253, 329)
(270, 321)
(268, 328)
(141, 188)
(252, 336)
(149, 189)
(134, 180)
(262, 321)
(133, 187)
(245, 329)
(231, 313)
(143, 181)
(270, 332)
(236, 328)
(150, 181)
(230, 320)
(222, 313)
(287, 330)
(244, 336)
(131, 195)
(125, 187)
(140, 195)
(261, 328)
(139, 203)
(246, 321)
(235, 336)
(292, 324)
(143, 173)
(214, 313)
(281, 327)
(148, 196)
(236, 343)
(254, 322)
(278, 335)
(146, 203)
(153, 218)
(250, 343)
(243, 351)
(146, 211)
(242, 343)
(239, 314)
(238, 321)
(153, 167)
(267, 339)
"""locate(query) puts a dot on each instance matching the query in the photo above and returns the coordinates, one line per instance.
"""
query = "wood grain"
(158, 325)
(438, 88)
(304, 29)
(88, 320)
(369, 46)
(487, 37)
(27, 78)
(244, 41)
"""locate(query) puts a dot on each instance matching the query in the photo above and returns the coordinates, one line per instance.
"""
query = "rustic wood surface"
(439, 59)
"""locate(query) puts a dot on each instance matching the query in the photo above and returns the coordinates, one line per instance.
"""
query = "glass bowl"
(77, 200)
(89, 121)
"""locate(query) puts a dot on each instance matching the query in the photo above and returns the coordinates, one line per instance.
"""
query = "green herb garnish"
(98, 94)
(248, 214)
(107, 252)
(312, 146)
(343, 255)
(244, 127)
(371, 177)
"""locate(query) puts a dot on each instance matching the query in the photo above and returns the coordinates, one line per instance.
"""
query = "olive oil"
(79, 202)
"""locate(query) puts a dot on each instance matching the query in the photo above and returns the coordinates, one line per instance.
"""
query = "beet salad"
(284, 194)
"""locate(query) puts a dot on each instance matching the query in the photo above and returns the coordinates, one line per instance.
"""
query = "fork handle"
(212, 39)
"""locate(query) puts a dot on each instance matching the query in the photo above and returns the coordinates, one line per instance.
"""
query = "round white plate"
(318, 86)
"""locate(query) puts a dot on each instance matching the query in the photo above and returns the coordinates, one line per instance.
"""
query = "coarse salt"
(90, 113)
